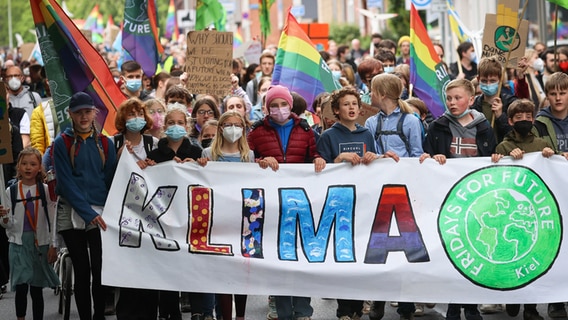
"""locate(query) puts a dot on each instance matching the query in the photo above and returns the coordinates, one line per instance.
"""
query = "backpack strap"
(33, 98)
(255, 90)
(14, 199)
(305, 125)
(379, 132)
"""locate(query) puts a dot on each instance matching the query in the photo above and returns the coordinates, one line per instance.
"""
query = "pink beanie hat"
(278, 91)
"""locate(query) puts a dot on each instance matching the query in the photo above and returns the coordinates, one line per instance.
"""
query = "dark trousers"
(349, 307)
(137, 304)
(21, 301)
(85, 250)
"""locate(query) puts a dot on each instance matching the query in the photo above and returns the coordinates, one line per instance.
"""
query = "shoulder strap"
(255, 93)
(13, 196)
(44, 203)
(401, 133)
(305, 125)
(148, 143)
(33, 98)
(118, 141)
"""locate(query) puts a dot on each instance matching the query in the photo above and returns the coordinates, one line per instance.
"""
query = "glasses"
(204, 112)
(228, 125)
(369, 78)
(12, 76)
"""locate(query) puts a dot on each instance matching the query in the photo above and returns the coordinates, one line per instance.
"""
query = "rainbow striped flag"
(140, 38)
(73, 64)
(237, 38)
(427, 74)
(170, 20)
(91, 21)
(299, 66)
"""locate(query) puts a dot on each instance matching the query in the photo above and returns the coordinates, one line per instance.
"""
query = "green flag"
(208, 12)
(562, 3)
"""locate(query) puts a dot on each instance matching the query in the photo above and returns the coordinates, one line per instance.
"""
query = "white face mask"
(538, 65)
(232, 133)
(472, 56)
(14, 84)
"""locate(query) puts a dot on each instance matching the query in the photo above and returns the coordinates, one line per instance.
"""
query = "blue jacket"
(88, 183)
(339, 139)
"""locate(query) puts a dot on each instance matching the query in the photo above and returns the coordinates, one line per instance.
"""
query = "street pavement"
(257, 307)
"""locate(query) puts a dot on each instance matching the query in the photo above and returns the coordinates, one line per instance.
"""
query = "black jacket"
(501, 125)
(164, 153)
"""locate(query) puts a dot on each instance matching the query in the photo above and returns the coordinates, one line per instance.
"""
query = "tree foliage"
(22, 20)
(399, 25)
(343, 33)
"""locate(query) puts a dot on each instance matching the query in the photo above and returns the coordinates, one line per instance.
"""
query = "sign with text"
(5, 132)
(499, 36)
(209, 62)
(478, 232)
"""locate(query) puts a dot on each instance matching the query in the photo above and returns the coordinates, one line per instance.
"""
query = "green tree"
(344, 33)
(399, 25)
(22, 20)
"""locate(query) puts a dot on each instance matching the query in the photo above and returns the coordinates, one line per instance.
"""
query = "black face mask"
(206, 143)
(523, 127)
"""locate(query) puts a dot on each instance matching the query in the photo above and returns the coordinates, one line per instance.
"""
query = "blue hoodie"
(560, 138)
(339, 139)
(88, 183)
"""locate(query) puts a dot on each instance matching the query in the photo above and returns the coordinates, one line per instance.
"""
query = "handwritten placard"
(5, 132)
(209, 62)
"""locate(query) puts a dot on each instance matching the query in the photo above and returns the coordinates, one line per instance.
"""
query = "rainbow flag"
(427, 74)
(170, 20)
(91, 21)
(299, 66)
(74, 65)
(562, 3)
(140, 38)
(455, 22)
(237, 38)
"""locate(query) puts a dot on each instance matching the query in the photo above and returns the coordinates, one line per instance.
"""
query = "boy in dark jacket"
(492, 106)
(521, 140)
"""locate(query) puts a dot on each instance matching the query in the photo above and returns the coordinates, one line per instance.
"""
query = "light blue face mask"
(389, 69)
(133, 84)
(135, 124)
(175, 132)
(489, 89)
(336, 75)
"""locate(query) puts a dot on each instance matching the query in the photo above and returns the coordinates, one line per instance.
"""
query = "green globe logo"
(501, 227)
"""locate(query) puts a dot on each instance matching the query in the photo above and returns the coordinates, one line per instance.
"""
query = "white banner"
(468, 231)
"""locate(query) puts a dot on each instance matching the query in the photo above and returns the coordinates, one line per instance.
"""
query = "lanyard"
(32, 220)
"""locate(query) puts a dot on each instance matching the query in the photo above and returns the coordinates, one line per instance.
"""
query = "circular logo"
(504, 38)
(421, 3)
(501, 227)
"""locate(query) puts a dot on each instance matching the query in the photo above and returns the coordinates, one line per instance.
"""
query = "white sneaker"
(418, 309)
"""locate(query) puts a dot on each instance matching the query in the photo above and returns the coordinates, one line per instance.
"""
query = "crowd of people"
(492, 111)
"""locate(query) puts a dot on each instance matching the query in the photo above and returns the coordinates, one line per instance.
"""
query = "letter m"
(296, 212)
(139, 216)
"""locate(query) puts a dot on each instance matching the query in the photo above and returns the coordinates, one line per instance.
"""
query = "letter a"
(394, 200)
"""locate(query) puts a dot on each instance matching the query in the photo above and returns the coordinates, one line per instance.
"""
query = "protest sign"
(499, 31)
(209, 62)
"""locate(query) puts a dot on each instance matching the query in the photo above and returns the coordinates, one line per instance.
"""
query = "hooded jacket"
(551, 129)
(339, 139)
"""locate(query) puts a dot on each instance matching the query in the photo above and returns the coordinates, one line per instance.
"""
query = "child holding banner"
(230, 145)
(347, 141)
(460, 132)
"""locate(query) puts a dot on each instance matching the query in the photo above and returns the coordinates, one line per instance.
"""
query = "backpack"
(398, 132)
(14, 200)
(148, 142)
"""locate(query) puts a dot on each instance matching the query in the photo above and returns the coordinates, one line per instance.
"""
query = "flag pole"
(509, 57)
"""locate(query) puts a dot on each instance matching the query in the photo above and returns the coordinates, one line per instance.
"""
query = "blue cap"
(81, 100)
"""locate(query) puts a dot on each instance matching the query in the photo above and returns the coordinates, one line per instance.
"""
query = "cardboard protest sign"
(366, 112)
(499, 31)
(209, 62)
(5, 132)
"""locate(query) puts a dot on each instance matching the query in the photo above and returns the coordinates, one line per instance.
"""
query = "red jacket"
(265, 142)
